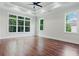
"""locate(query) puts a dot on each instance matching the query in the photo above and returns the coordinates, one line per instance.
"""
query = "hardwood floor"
(37, 46)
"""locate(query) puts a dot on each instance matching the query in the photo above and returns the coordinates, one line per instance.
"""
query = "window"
(19, 24)
(12, 23)
(41, 24)
(27, 24)
(71, 22)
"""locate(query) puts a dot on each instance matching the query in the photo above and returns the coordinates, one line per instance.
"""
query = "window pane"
(71, 22)
(41, 21)
(12, 21)
(41, 27)
(27, 23)
(12, 28)
(20, 29)
(27, 29)
(19, 17)
(68, 28)
(41, 24)
(21, 22)
(12, 16)
(27, 18)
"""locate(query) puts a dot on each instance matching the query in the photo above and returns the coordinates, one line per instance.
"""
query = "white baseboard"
(75, 42)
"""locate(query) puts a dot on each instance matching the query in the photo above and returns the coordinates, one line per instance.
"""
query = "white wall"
(4, 24)
(54, 25)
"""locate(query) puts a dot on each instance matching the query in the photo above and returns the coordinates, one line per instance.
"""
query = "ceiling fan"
(36, 4)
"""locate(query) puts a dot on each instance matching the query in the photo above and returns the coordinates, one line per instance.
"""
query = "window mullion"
(17, 24)
(24, 24)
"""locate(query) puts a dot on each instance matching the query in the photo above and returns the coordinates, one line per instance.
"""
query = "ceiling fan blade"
(39, 5)
(30, 4)
(38, 2)
(35, 4)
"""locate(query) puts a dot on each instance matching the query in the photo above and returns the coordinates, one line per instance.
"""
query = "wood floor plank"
(37, 46)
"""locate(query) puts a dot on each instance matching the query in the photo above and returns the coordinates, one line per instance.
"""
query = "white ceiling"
(24, 7)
